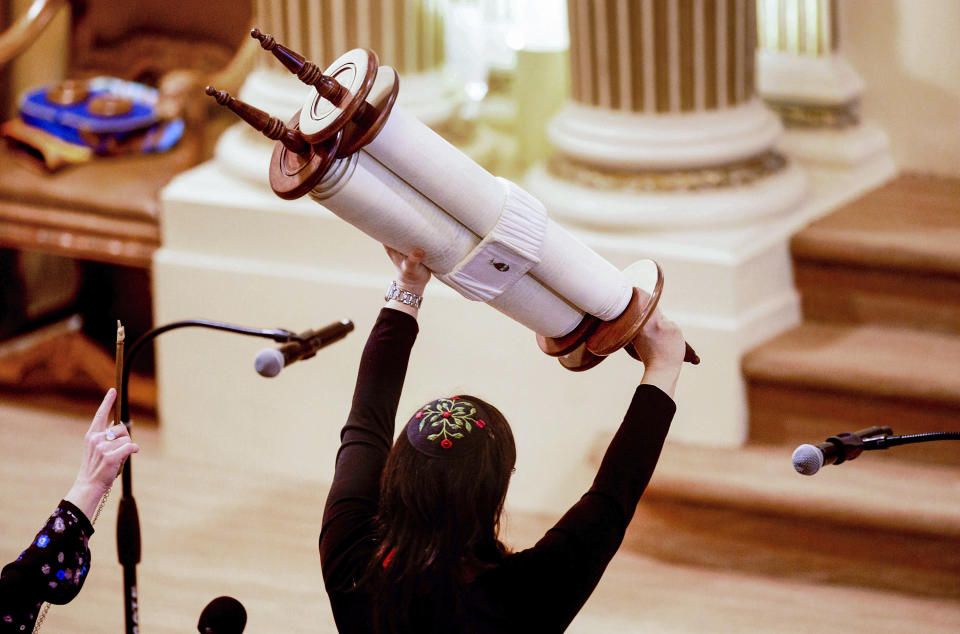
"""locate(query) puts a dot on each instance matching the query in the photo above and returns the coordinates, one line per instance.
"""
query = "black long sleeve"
(567, 563)
(52, 569)
(365, 442)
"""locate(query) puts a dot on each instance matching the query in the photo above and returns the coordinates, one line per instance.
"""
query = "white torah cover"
(484, 236)
(366, 194)
(482, 202)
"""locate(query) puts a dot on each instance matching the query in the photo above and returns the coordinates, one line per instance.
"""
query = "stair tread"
(867, 359)
(911, 223)
(890, 495)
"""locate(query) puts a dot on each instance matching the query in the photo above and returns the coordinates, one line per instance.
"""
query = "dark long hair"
(438, 526)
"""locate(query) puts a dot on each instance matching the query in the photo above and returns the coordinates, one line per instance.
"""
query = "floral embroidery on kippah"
(449, 427)
(447, 419)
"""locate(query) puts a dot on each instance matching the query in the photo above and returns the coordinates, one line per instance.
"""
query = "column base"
(844, 148)
(433, 97)
(277, 92)
(624, 140)
(841, 164)
(627, 208)
(245, 153)
(828, 79)
(493, 149)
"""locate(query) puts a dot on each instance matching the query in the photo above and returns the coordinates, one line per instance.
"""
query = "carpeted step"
(870, 523)
(891, 256)
(820, 379)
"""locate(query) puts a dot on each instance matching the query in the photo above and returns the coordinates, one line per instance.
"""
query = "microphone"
(223, 615)
(807, 459)
(270, 361)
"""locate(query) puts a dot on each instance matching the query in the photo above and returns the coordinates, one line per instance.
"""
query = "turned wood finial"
(271, 127)
(308, 72)
(266, 41)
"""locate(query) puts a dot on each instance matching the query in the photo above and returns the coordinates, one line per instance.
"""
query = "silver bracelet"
(402, 296)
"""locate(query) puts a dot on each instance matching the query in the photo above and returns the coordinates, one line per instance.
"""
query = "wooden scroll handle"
(308, 72)
(593, 340)
(270, 127)
(365, 117)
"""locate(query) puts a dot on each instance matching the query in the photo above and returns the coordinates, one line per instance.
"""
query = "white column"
(665, 151)
(804, 77)
(664, 128)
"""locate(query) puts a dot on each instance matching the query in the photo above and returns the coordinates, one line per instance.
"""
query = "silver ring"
(110, 435)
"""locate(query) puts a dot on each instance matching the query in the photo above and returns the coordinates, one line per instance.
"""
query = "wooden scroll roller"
(352, 150)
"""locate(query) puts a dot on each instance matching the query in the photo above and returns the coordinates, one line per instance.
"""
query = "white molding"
(843, 148)
(277, 92)
(245, 153)
(665, 141)
(828, 79)
(613, 209)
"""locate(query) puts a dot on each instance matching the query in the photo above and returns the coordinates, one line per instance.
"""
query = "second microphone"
(270, 361)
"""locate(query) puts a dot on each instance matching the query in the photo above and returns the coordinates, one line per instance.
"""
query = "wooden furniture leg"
(61, 357)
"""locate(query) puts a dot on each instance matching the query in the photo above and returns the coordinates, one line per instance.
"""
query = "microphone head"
(223, 615)
(269, 362)
(807, 459)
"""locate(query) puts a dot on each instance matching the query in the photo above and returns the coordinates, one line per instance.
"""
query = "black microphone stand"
(883, 442)
(128, 520)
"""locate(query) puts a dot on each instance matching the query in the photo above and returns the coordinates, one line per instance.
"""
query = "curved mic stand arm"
(884, 442)
(128, 520)
(280, 335)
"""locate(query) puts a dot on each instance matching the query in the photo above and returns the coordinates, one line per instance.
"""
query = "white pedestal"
(729, 290)
(434, 98)
(275, 91)
(841, 163)
(234, 252)
(827, 79)
(621, 140)
(844, 162)
(728, 271)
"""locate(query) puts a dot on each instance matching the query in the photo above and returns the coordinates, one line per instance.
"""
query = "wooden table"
(106, 211)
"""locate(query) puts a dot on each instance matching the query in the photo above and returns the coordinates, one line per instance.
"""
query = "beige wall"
(908, 53)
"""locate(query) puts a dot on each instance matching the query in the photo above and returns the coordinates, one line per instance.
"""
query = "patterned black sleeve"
(52, 569)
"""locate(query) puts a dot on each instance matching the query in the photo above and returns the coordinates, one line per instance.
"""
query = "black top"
(539, 589)
(52, 569)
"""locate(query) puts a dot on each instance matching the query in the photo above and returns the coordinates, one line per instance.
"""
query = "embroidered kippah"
(447, 427)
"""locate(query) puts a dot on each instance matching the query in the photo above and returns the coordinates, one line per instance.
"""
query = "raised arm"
(55, 565)
(367, 436)
(569, 560)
